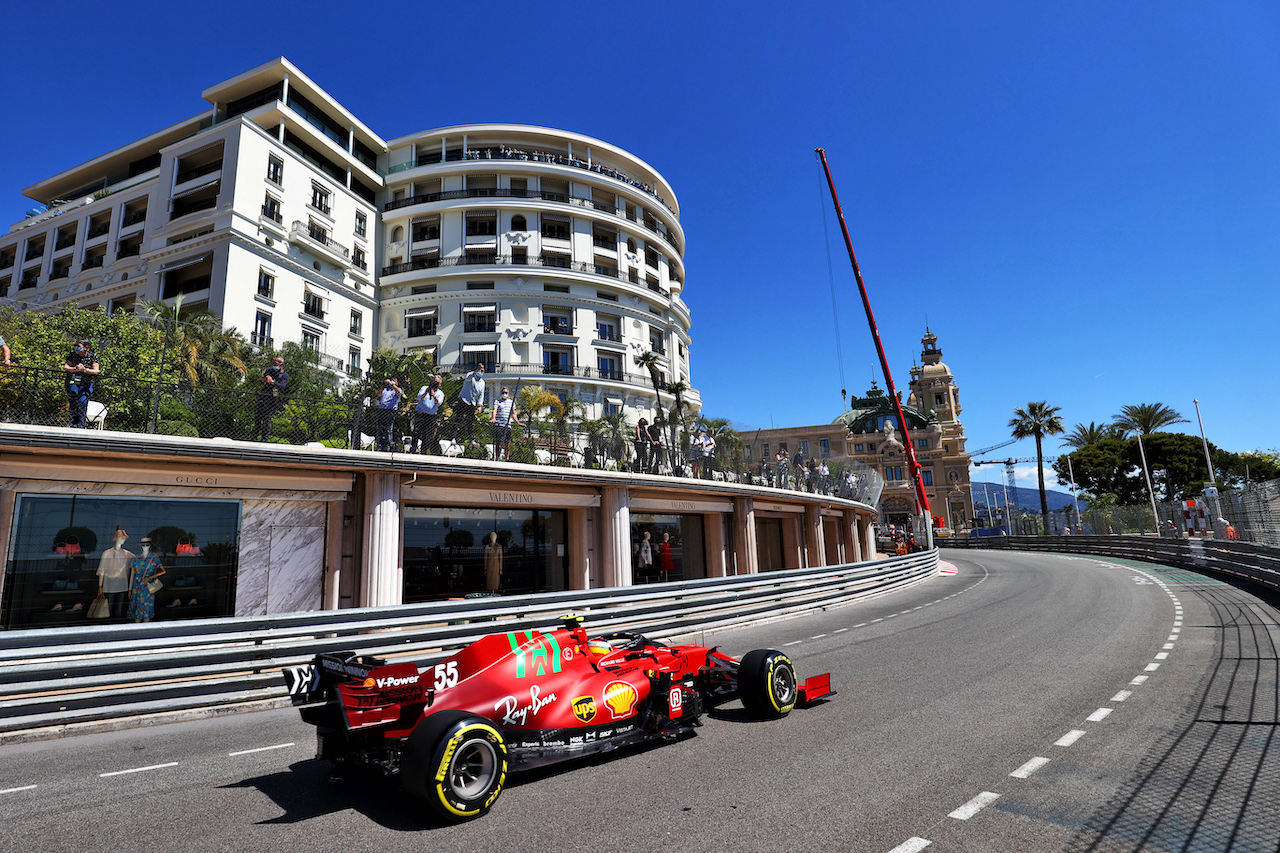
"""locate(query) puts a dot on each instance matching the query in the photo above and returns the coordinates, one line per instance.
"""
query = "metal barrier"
(52, 677)
(1258, 564)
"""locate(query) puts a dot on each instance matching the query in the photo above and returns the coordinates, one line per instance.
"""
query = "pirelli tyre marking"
(471, 770)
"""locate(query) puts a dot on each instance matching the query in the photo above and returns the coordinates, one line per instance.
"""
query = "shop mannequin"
(665, 562)
(144, 567)
(492, 563)
(644, 556)
(113, 575)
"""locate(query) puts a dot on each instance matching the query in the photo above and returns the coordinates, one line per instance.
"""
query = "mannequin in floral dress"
(143, 568)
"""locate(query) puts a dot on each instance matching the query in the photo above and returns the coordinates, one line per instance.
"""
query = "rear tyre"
(456, 762)
(767, 683)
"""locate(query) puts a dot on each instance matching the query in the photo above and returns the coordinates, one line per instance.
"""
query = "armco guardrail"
(1259, 564)
(66, 675)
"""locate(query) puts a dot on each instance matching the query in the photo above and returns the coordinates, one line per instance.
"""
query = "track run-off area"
(1027, 702)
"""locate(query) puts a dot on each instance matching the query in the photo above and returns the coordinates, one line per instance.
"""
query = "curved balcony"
(540, 195)
(504, 153)
(490, 259)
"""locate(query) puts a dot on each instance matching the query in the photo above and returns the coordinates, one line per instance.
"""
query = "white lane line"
(1122, 695)
(1069, 738)
(261, 749)
(1138, 679)
(974, 806)
(911, 845)
(1099, 715)
(1177, 624)
(793, 643)
(891, 615)
(881, 619)
(839, 630)
(1168, 645)
(1030, 767)
(16, 790)
(1176, 631)
(138, 769)
(1161, 655)
(817, 636)
(1152, 667)
(861, 625)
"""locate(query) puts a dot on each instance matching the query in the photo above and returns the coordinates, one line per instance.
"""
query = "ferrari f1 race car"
(517, 700)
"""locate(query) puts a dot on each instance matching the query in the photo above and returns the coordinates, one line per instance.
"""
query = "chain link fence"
(1248, 514)
(350, 417)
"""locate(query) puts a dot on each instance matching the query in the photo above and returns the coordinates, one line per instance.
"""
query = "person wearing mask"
(80, 369)
(274, 380)
(388, 403)
(426, 413)
(504, 415)
(472, 399)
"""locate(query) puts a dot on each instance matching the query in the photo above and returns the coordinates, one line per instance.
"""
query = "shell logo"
(620, 697)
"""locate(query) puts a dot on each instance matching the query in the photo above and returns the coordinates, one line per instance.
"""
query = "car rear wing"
(366, 691)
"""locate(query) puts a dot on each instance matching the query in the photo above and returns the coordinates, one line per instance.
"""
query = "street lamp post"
(1150, 491)
(1075, 495)
(1207, 461)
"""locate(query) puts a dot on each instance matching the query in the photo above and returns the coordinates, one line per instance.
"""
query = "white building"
(551, 257)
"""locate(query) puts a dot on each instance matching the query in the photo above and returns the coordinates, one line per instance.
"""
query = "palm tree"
(1086, 436)
(678, 426)
(1036, 421)
(728, 441)
(651, 361)
(205, 350)
(1146, 418)
(609, 435)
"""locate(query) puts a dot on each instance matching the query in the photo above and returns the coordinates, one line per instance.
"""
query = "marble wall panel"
(281, 557)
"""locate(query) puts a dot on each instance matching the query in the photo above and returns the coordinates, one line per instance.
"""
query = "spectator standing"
(504, 415)
(426, 414)
(274, 380)
(472, 398)
(696, 449)
(80, 370)
(655, 447)
(780, 469)
(642, 446)
(708, 452)
(388, 404)
(4, 346)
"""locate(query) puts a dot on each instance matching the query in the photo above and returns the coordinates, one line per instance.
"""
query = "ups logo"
(584, 708)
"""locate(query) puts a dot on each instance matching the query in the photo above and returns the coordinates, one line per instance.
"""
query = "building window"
(555, 229)
(261, 331)
(922, 443)
(480, 354)
(608, 367)
(655, 341)
(313, 305)
(479, 318)
(362, 224)
(422, 288)
(312, 340)
(857, 448)
(318, 233)
(427, 230)
(482, 225)
(555, 288)
(479, 285)
(275, 170)
(825, 445)
(357, 322)
(746, 453)
(353, 361)
(557, 321)
(764, 450)
(937, 399)
(893, 472)
(266, 284)
(926, 474)
(357, 258)
(419, 327)
(607, 329)
(320, 199)
(804, 447)
(557, 362)
(271, 208)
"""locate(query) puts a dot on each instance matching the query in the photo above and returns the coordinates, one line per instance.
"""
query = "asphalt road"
(1026, 703)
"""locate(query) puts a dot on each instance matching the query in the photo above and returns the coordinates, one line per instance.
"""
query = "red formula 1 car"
(523, 699)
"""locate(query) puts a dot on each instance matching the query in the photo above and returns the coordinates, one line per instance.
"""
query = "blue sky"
(1081, 200)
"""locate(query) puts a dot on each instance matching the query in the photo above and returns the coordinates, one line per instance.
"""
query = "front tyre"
(456, 762)
(767, 683)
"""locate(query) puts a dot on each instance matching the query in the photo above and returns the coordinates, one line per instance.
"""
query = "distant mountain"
(1022, 497)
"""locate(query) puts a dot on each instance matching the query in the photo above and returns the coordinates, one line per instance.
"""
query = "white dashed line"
(974, 806)
(1168, 645)
(261, 749)
(1030, 767)
(1161, 655)
(1069, 738)
(16, 790)
(911, 845)
(817, 636)
(1122, 695)
(793, 643)
(891, 615)
(873, 621)
(1138, 679)
(1099, 715)
(839, 630)
(1152, 667)
(861, 625)
(138, 769)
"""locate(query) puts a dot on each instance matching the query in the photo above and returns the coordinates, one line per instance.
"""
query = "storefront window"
(675, 548)
(63, 548)
(455, 551)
